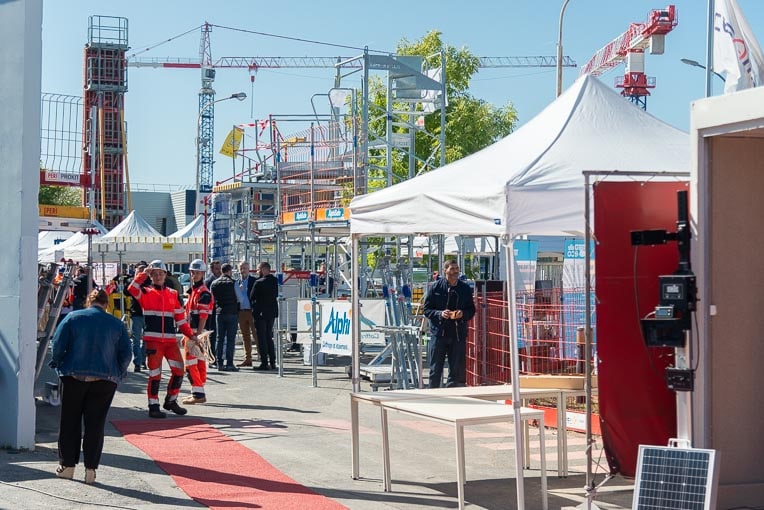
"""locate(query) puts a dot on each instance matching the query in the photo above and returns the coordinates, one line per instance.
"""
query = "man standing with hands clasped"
(162, 313)
(449, 307)
(265, 307)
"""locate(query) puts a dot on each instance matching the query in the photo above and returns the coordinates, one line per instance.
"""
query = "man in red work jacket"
(162, 313)
(199, 307)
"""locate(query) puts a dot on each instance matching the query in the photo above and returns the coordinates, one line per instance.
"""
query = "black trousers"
(264, 329)
(88, 403)
(455, 349)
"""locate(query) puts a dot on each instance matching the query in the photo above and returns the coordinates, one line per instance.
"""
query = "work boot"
(155, 412)
(190, 400)
(172, 405)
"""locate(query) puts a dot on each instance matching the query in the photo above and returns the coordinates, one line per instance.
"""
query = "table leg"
(354, 436)
(385, 451)
(526, 441)
(542, 447)
(460, 471)
(562, 435)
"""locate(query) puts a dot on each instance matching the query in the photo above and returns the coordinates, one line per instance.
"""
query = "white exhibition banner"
(333, 324)
(574, 264)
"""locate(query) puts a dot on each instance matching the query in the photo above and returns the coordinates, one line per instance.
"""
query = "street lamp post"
(695, 63)
(559, 50)
(241, 96)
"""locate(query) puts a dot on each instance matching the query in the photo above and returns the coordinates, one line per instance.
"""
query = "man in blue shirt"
(246, 320)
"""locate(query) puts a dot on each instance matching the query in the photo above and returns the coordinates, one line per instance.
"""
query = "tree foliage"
(59, 195)
(471, 123)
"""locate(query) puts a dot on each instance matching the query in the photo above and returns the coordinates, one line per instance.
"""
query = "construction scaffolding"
(294, 176)
(105, 84)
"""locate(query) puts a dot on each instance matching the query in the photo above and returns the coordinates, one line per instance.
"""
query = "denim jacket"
(91, 343)
(442, 297)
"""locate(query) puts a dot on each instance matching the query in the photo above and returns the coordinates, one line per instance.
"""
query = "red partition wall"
(636, 407)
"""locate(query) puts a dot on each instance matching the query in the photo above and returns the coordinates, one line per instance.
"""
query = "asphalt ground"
(304, 431)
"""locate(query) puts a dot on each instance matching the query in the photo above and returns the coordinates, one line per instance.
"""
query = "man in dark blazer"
(265, 307)
(449, 307)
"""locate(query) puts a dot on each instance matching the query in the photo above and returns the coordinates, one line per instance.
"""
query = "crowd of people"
(138, 317)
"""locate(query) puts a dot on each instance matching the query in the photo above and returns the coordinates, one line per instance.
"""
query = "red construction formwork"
(550, 336)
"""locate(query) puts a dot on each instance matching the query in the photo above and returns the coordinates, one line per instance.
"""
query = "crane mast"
(630, 46)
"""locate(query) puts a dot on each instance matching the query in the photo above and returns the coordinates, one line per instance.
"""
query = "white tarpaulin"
(531, 181)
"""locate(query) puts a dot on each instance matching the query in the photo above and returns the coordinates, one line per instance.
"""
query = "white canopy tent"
(75, 247)
(193, 229)
(530, 182)
(50, 238)
(135, 239)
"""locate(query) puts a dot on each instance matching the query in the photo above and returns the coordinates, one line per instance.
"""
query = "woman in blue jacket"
(91, 352)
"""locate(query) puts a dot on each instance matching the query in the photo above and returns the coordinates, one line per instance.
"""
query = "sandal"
(65, 472)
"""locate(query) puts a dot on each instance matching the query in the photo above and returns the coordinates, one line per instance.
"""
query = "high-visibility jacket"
(199, 305)
(161, 311)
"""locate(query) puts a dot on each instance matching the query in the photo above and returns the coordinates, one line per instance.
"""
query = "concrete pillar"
(20, 75)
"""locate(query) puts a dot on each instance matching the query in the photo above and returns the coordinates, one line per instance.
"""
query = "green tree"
(471, 123)
(59, 195)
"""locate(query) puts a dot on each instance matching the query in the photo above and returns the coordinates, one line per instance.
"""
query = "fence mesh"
(550, 331)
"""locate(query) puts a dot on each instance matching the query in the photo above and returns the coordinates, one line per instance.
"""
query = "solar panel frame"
(670, 478)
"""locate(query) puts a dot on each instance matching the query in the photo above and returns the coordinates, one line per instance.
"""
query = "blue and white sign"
(526, 256)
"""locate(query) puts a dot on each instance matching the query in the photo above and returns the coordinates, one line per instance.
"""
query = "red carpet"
(215, 470)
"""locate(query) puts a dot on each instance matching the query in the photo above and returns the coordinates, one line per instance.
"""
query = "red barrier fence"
(550, 335)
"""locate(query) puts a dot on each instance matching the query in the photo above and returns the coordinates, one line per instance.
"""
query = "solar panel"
(671, 478)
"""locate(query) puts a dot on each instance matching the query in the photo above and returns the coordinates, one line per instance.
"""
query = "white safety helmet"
(197, 265)
(157, 264)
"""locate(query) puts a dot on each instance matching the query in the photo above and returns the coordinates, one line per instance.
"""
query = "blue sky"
(162, 104)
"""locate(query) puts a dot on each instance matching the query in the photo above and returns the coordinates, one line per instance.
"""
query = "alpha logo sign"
(295, 217)
(335, 335)
(332, 213)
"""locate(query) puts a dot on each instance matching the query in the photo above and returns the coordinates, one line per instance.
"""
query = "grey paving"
(303, 431)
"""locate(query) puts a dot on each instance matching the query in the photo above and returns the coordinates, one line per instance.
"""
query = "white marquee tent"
(135, 239)
(73, 248)
(193, 229)
(530, 182)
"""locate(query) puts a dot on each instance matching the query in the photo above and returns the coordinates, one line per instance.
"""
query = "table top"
(460, 409)
(494, 391)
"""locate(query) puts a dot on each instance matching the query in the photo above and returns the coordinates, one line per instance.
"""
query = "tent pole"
(356, 307)
(509, 256)
(590, 488)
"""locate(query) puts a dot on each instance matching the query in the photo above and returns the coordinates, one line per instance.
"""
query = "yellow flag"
(232, 142)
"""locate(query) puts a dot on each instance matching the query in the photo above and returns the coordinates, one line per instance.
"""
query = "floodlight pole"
(241, 96)
(559, 49)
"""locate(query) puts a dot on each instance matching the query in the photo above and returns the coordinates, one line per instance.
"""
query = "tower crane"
(208, 67)
(630, 46)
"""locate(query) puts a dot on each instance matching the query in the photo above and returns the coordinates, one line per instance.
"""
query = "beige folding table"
(504, 392)
(459, 412)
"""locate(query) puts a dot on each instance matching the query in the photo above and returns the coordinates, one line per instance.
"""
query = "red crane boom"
(631, 46)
